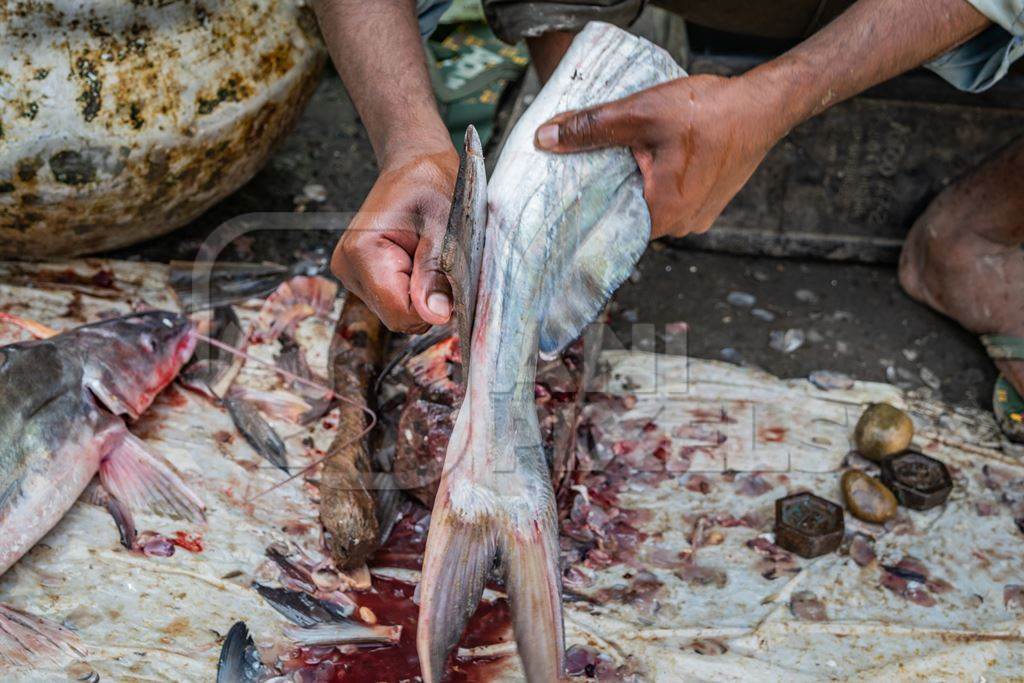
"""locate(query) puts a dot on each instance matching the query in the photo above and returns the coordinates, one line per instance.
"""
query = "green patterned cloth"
(470, 70)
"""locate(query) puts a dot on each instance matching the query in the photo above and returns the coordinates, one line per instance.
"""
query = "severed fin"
(212, 369)
(257, 431)
(206, 284)
(460, 553)
(345, 632)
(463, 248)
(276, 403)
(302, 608)
(239, 659)
(25, 638)
(37, 330)
(143, 480)
(388, 503)
(95, 494)
(600, 263)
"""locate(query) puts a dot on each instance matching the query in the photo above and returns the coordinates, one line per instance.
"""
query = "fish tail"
(461, 550)
(530, 556)
(25, 637)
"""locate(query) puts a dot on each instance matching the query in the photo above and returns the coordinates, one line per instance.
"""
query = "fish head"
(128, 361)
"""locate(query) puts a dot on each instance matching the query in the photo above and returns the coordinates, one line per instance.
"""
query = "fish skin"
(61, 405)
(562, 233)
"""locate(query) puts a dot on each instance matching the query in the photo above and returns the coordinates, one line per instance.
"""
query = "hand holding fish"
(389, 255)
(697, 140)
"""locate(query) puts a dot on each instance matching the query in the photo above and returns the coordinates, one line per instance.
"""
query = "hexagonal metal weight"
(919, 482)
(808, 525)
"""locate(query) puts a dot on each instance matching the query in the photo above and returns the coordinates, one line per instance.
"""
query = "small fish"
(562, 233)
(62, 404)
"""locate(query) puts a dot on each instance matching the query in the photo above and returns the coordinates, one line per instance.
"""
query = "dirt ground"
(854, 318)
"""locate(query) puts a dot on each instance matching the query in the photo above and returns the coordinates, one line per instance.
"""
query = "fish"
(561, 233)
(63, 404)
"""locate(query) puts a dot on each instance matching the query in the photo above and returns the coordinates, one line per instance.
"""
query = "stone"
(867, 498)
(882, 430)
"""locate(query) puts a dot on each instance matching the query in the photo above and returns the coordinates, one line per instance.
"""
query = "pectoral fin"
(141, 479)
(24, 638)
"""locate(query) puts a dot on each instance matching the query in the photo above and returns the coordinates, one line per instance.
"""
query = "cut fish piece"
(563, 231)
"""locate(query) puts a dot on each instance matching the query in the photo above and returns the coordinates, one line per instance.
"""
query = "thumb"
(429, 289)
(607, 125)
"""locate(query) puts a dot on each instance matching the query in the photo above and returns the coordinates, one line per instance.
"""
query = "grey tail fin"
(460, 553)
(239, 660)
(24, 638)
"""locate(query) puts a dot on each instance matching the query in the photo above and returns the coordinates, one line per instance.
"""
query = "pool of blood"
(392, 604)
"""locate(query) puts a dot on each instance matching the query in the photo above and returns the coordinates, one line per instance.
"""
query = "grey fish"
(62, 401)
(562, 233)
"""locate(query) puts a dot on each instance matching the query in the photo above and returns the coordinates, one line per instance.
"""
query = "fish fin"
(280, 404)
(24, 638)
(257, 431)
(141, 479)
(37, 330)
(239, 659)
(206, 284)
(601, 262)
(96, 495)
(459, 554)
(530, 557)
(463, 247)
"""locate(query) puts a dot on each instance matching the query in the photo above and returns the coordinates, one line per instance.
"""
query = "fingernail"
(439, 304)
(547, 136)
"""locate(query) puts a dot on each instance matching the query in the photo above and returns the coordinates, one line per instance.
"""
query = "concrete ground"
(854, 318)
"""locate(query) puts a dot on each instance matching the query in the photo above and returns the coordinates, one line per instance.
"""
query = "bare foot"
(963, 255)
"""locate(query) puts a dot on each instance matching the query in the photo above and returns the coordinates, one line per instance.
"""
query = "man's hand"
(390, 254)
(696, 140)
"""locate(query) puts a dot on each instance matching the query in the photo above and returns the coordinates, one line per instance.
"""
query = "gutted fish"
(62, 401)
(562, 233)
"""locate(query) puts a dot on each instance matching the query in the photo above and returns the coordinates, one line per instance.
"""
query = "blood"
(190, 542)
(391, 602)
(773, 434)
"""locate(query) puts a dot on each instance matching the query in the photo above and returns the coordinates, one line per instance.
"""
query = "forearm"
(377, 49)
(873, 41)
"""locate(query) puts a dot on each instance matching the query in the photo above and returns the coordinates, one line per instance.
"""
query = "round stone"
(867, 498)
(882, 430)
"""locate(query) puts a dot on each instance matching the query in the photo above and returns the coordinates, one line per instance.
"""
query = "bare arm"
(697, 140)
(377, 49)
(871, 42)
(389, 255)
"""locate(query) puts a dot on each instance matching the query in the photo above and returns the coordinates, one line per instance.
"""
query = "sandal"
(1007, 404)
